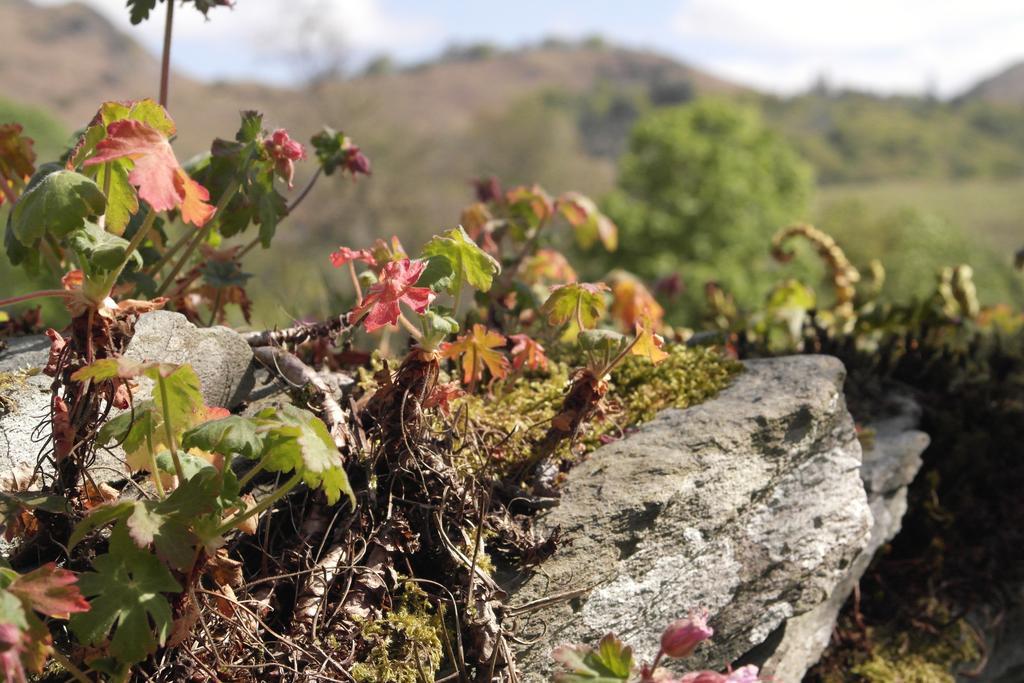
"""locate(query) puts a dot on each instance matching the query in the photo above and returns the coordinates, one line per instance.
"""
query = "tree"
(701, 190)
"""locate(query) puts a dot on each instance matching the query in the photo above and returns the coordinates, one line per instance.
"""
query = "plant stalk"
(165, 60)
(261, 506)
(167, 429)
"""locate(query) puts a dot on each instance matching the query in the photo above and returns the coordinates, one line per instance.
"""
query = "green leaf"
(611, 662)
(226, 436)
(436, 328)
(56, 204)
(331, 148)
(579, 302)
(251, 129)
(167, 523)
(126, 591)
(469, 262)
(129, 429)
(191, 465)
(14, 502)
(12, 611)
(98, 250)
(100, 517)
(122, 202)
(184, 401)
(295, 439)
(437, 275)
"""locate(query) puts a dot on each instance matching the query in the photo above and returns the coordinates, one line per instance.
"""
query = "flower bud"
(682, 637)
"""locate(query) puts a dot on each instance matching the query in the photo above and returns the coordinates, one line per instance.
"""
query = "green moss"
(901, 656)
(405, 644)
(502, 427)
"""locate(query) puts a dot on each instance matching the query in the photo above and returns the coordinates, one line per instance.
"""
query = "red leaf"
(63, 432)
(528, 352)
(51, 591)
(394, 288)
(156, 173)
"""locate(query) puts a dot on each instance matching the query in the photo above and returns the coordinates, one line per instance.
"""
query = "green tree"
(701, 191)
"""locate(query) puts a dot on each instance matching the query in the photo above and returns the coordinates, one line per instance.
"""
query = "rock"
(24, 401)
(1004, 644)
(889, 466)
(750, 504)
(220, 356)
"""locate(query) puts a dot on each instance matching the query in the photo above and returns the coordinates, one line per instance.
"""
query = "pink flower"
(356, 162)
(344, 255)
(682, 637)
(285, 152)
(744, 674)
(396, 286)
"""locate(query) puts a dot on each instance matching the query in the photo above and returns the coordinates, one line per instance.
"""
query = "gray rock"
(888, 468)
(220, 356)
(1004, 643)
(26, 405)
(750, 505)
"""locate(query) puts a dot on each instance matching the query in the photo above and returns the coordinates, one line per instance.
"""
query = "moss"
(9, 383)
(914, 656)
(503, 426)
(405, 644)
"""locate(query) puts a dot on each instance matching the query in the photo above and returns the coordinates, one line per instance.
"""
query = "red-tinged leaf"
(527, 351)
(57, 346)
(591, 225)
(532, 202)
(648, 345)
(343, 255)
(63, 432)
(580, 302)
(548, 265)
(476, 350)
(17, 159)
(155, 172)
(632, 302)
(51, 591)
(442, 396)
(395, 287)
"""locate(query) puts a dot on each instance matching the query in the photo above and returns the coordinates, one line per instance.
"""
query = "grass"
(988, 209)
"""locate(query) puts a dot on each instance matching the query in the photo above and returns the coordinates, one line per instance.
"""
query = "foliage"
(701, 188)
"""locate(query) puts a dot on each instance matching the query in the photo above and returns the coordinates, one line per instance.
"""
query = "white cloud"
(893, 45)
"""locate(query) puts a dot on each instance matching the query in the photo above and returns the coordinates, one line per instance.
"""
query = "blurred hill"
(557, 113)
(1005, 87)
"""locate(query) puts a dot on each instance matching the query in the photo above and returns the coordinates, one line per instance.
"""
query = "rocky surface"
(220, 356)
(750, 505)
(890, 463)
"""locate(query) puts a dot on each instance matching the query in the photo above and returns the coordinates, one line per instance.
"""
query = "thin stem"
(165, 61)
(153, 467)
(256, 469)
(355, 283)
(225, 198)
(137, 239)
(8, 192)
(305, 191)
(261, 506)
(155, 269)
(41, 294)
(216, 307)
(615, 361)
(167, 429)
(75, 672)
(249, 247)
(416, 333)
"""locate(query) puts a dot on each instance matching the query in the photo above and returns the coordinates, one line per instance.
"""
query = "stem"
(165, 62)
(137, 239)
(261, 506)
(156, 470)
(167, 429)
(216, 307)
(256, 469)
(8, 192)
(75, 672)
(355, 283)
(615, 361)
(155, 269)
(458, 296)
(305, 191)
(579, 313)
(249, 247)
(410, 328)
(225, 198)
(34, 295)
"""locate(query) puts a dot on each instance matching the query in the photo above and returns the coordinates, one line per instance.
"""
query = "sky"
(784, 46)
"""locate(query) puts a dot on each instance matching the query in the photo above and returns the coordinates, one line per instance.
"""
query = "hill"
(1005, 87)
